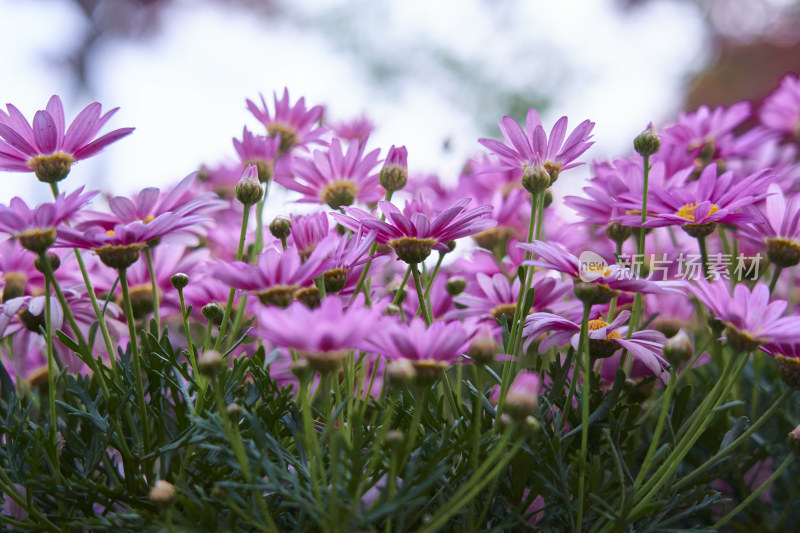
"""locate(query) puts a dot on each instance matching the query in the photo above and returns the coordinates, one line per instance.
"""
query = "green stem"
(239, 254)
(235, 439)
(701, 242)
(137, 366)
(148, 255)
(659, 427)
(51, 378)
(99, 313)
(426, 314)
(686, 481)
(756, 493)
(365, 272)
(494, 464)
(774, 280)
(583, 351)
(432, 277)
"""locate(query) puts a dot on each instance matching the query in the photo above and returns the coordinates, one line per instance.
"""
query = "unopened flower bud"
(248, 190)
(162, 493)
(210, 363)
(211, 311)
(617, 232)
(483, 349)
(793, 440)
(679, 348)
(647, 143)
(233, 409)
(302, 370)
(55, 262)
(391, 309)
(789, 368)
(179, 280)
(394, 174)
(400, 373)
(395, 439)
(535, 179)
(522, 399)
(280, 227)
(456, 285)
(548, 198)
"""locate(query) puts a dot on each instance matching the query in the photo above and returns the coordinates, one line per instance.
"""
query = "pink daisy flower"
(604, 339)
(263, 152)
(277, 275)
(429, 349)
(607, 282)
(296, 125)
(532, 147)
(337, 329)
(697, 208)
(47, 147)
(336, 178)
(778, 227)
(357, 129)
(121, 246)
(750, 319)
(36, 228)
(780, 111)
(414, 235)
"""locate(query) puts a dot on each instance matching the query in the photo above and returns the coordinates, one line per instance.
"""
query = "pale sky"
(185, 89)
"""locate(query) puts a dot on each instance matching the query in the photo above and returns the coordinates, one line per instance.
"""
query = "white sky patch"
(185, 89)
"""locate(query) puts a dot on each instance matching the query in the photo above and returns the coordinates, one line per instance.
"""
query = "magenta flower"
(780, 111)
(495, 296)
(750, 319)
(296, 125)
(604, 339)
(778, 227)
(707, 136)
(413, 235)
(121, 246)
(607, 280)
(259, 151)
(429, 349)
(47, 148)
(277, 275)
(714, 199)
(354, 130)
(19, 275)
(522, 398)
(308, 231)
(531, 147)
(36, 228)
(150, 203)
(336, 329)
(336, 178)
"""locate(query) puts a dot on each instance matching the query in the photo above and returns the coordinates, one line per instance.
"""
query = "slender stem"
(583, 351)
(426, 313)
(148, 255)
(612, 309)
(365, 271)
(774, 280)
(137, 366)
(419, 406)
(239, 254)
(494, 464)
(99, 313)
(432, 277)
(235, 439)
(51, 371)
(736, 443)
(659, 426)
(756, 493)
(701, 242)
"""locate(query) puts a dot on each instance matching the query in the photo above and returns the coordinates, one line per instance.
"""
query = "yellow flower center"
(599, 323)
(110, 233)
(687, 211)
(148, 218)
